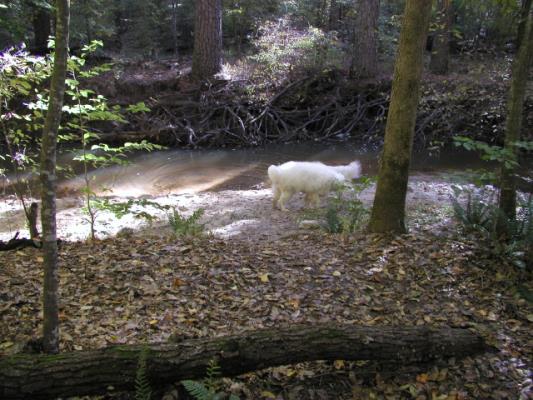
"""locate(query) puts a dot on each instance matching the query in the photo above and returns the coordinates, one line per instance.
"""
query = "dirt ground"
(237, 214)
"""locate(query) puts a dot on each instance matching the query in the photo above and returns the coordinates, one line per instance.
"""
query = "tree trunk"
(388, 211)
(334, 20)
(48, 180)
(440, 53)
(32, 216)
(365, 55)
(174, 29)
(41, 29)
(92, 372)
(513, 124)
(207, 54)
(524, 12)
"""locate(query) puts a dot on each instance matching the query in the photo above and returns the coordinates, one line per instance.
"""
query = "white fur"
(312, 178)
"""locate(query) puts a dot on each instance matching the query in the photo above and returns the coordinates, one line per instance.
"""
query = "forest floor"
(264, 268)
(260, 267)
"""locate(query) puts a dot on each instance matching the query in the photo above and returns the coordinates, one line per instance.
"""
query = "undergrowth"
(143, 390)
(186, 226)
(345, 212)
(209, 388)
(477, 212)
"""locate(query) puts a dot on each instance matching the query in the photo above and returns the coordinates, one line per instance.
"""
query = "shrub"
(477, 212)
(282, 49)
(345, 212)
(186, 226)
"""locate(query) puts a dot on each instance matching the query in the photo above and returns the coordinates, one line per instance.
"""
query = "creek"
(192, 171)
(230, 184)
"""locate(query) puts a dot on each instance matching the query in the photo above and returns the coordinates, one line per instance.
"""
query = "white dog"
(312, 178)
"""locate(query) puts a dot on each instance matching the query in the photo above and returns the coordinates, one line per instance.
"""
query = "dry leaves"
(142, 289)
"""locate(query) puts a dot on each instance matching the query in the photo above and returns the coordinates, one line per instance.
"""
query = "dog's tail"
(273, 173)
(350, 171)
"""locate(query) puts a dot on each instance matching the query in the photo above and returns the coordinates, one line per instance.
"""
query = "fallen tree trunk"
(42, 376)
(15, 243)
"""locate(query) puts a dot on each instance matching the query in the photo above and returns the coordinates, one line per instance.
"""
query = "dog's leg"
(308, 200)
(285, 196)
(275, 198)
(314, 200)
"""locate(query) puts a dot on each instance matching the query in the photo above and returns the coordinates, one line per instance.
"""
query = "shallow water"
(193, 171)
(224, 183)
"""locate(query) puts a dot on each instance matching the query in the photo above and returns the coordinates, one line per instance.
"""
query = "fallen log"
(16, 244)
(41, 376)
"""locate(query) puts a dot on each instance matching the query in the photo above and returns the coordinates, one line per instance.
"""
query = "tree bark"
(92, 372)
(41, 29)
(32, 216)
(440, 53)
(365, 56)
(524, 12)
(15, 243)
(174, 28)
(207, 53)
(513, 124)
(388, 211)
(334, 19)
(48, 180)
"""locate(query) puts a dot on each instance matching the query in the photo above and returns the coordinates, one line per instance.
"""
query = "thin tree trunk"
(48, 180)
(440, 53)
(334, 16)
(41, 29)
(207, 54)
(365, 55)
(92, 372)
(513, 124)
(524, 12)
(32, 216)
(174, 4)
(388, 211)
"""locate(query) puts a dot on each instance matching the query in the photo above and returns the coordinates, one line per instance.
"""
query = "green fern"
(143, 391)
(198, 390)
(477, 214)
(213, 373)
(208, 389)
(183, 226)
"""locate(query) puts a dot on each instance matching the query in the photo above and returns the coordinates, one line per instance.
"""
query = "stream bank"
(240, 111)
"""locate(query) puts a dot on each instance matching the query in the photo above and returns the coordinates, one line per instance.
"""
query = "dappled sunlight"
(161, 174)
(230, 185)
(234, 228)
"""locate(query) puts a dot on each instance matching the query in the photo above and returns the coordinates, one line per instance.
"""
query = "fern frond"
(143, 390)
(197, 389)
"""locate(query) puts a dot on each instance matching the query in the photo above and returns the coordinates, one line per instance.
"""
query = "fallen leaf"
(268, 395)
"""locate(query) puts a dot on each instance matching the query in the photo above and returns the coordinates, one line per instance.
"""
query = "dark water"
(182, 171)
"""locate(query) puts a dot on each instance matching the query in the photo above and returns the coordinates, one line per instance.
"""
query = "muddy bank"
(323, 106)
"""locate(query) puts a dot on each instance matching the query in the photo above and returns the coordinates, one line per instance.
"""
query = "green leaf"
(139, 107)
(197, 389)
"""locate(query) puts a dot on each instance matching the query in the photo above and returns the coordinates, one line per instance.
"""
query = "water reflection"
(189, 171)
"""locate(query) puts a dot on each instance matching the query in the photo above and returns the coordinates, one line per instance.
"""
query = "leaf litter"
(152, 288)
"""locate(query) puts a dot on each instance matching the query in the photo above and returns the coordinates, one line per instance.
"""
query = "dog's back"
(303, 176)
(311, 177)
